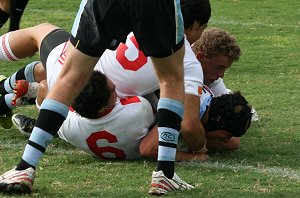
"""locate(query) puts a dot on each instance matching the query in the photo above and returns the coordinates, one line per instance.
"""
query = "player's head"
(216, 50)
(230, 112)
(196, 14)
(98, 94)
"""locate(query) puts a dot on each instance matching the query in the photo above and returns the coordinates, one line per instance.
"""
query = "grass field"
(268, 74)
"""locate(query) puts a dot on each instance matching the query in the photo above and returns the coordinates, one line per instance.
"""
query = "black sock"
(167, 167)
(17, 8)
(23, 165)
(3, 17)
(4, 109)
(2, 89)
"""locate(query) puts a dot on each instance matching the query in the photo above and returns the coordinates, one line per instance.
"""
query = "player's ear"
(199, 55)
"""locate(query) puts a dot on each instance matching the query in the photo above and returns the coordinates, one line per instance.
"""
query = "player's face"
(214, 68)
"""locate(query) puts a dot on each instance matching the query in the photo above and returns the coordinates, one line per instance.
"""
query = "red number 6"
(99, 151)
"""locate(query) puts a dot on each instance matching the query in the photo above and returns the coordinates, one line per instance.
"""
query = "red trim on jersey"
(62, 56)
(200, 90)
(208, 89)
(133, 99)
(71, 109)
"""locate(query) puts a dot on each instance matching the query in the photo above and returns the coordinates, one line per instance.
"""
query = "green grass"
(266, 165)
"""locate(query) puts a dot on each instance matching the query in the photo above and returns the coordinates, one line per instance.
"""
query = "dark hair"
(195, 10)
(229, 112)
(93, 97)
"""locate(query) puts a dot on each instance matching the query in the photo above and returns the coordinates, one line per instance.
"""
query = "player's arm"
(191, 127)
(186, 156)
(149, 149)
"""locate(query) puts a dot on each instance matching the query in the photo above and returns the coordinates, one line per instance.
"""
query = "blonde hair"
(214, 42)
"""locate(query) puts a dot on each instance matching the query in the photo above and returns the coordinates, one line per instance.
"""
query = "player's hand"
(20, 90)
(200, 156)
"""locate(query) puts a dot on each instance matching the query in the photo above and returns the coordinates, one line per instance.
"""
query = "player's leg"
(68, 85)
(166, 49)
(33, 72)
(17, 8)
(23, 43)
(9, 99)
(35, 145)
(52, 42)
(43, 134)
(170, 108)
(24, 123)
(16, 45)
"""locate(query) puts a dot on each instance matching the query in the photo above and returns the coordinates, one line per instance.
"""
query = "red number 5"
(99, 151)
(127, 64)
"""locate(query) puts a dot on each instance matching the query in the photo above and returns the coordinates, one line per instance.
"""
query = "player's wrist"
(202, 150)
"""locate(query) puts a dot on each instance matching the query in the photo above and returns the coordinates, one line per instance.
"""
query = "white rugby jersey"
(133, 73)
(116, 134)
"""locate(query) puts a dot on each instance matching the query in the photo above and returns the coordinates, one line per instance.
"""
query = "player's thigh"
(159, 30)
(50, 42)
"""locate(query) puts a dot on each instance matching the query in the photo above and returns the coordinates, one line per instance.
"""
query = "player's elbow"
(193, 134)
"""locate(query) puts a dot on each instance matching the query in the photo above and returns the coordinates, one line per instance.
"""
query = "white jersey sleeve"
(193, 73)
(116, 135)
(133, 73)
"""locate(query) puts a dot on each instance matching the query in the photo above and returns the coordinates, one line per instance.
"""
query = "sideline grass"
(266, 165)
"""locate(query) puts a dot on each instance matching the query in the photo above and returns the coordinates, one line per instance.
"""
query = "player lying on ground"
(216, 50)
(223, 50)
(53, 52)
(36, 68)
(214, 61)
(225, 119)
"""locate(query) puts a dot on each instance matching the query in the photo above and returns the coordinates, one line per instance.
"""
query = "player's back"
(116, 134)
(133, 73)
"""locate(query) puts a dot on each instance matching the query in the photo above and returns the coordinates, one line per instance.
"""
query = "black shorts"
(52, 40)
(103, 24)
